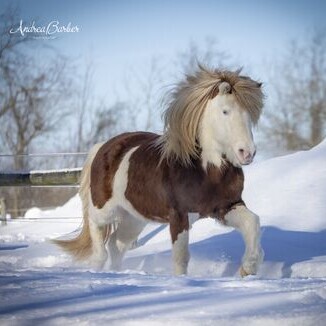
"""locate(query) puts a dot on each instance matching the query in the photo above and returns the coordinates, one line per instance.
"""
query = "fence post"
(3, 213)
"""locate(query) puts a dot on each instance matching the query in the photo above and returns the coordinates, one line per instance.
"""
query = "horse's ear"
(224, 88)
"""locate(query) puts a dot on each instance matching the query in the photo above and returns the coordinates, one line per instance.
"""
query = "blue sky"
(117, 35)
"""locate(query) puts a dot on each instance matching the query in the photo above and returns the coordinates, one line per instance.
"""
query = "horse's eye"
(225, 112)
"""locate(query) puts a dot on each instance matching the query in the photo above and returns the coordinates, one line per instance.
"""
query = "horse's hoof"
(243, 273)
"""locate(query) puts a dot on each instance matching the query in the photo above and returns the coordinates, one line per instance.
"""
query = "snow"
(40, 284)
(289, 192)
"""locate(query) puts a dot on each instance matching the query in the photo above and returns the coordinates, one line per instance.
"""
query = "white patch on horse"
(112, 210)
(120, 183)
(248, 224)
(181, 253)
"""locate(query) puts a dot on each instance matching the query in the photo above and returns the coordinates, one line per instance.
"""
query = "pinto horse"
(192, 171)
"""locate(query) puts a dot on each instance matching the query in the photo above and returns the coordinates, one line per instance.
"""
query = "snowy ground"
(41, 285)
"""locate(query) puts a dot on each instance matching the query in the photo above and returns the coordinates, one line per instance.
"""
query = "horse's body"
(139, 177)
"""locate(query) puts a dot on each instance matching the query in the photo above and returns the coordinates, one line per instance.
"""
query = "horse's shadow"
(282, 248)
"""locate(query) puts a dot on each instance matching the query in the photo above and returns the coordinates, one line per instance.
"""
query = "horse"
(192, 171)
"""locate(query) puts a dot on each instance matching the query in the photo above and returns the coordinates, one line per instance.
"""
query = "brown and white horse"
(192, 171)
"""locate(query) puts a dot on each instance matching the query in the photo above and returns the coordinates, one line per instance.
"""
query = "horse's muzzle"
(245, 156)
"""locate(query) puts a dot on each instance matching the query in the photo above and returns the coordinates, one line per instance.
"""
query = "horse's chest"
(207, 193)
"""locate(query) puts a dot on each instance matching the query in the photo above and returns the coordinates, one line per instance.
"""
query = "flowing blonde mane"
(186, 104)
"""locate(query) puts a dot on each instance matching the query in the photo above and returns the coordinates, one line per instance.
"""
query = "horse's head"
(226, 127)
(210, 115)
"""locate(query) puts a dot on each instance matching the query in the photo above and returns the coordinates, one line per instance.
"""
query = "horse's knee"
(253, 219)
(251, 223)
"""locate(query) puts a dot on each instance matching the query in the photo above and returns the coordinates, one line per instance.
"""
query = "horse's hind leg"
(99, 253)
(128, 230)
(248, 224)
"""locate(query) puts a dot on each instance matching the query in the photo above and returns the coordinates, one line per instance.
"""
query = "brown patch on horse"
(206, 193)
(154, 189)
(145, 180)
(107, 161)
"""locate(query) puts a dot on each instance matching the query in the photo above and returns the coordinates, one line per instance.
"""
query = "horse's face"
(228, 127)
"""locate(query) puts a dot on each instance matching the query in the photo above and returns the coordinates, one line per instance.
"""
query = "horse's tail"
(81, 246)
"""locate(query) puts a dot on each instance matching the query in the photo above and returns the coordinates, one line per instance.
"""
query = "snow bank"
(72, 208)
(289, 192)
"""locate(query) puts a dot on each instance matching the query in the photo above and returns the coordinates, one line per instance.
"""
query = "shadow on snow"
(280, 246)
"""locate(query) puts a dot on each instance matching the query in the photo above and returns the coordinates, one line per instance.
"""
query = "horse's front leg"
(241, 218)
(179, 229)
